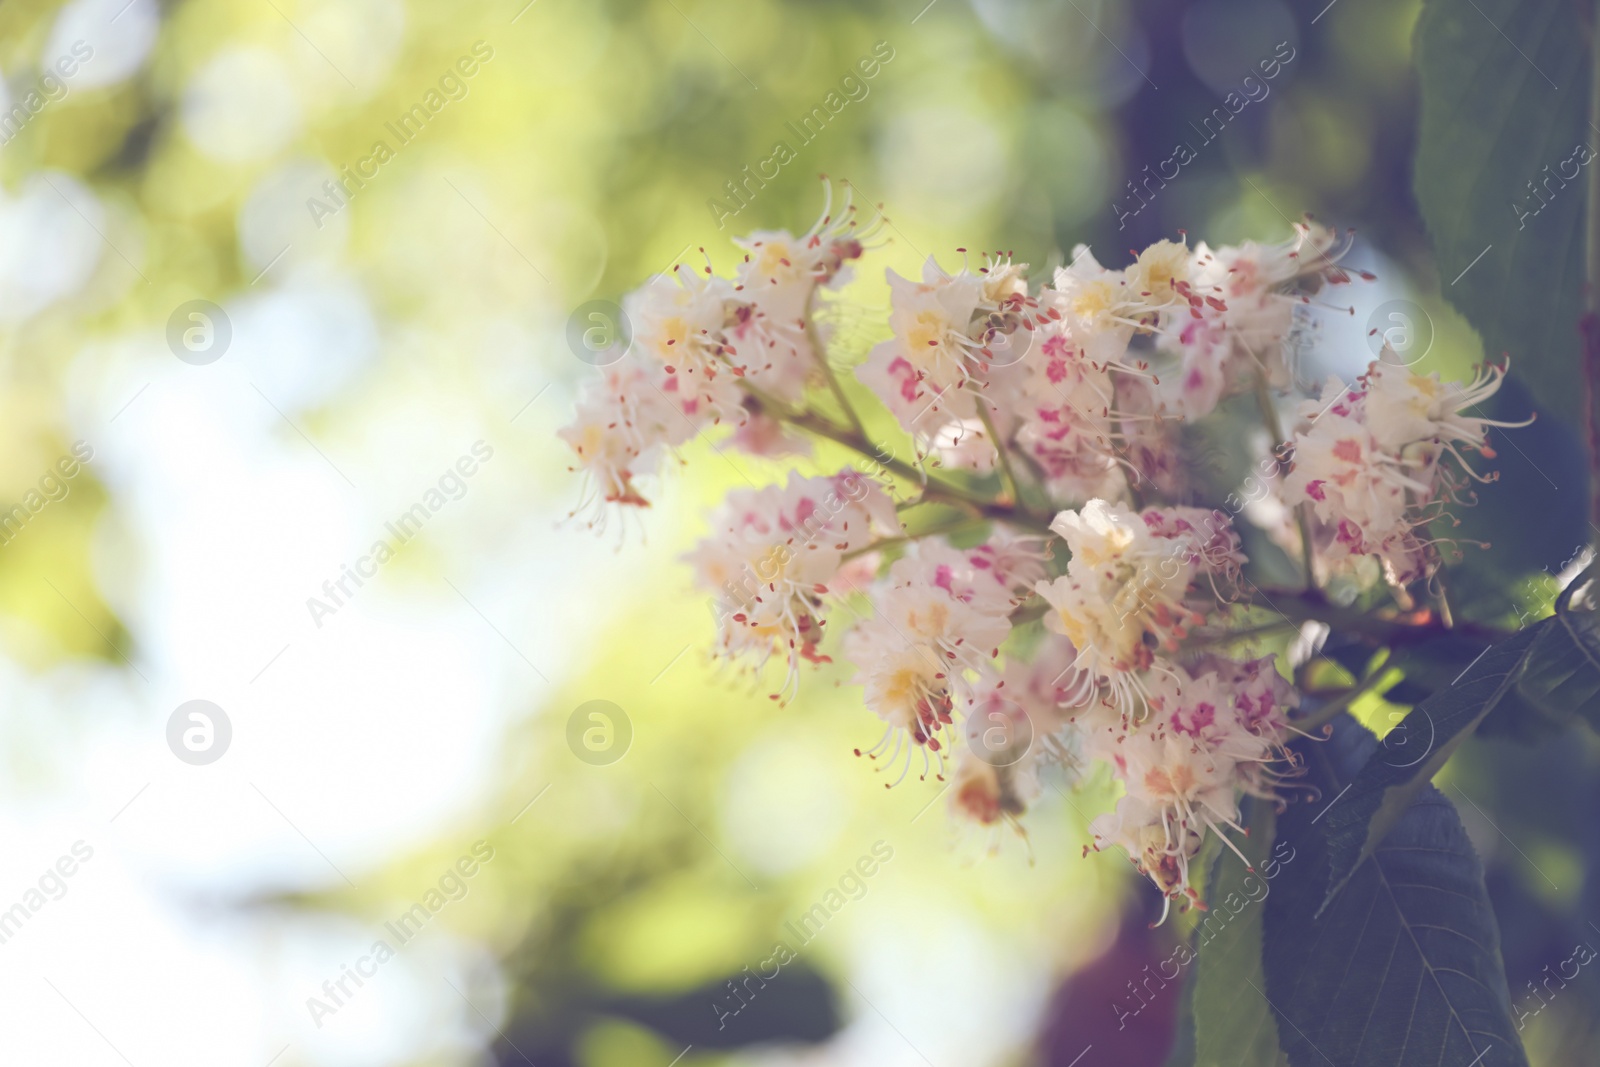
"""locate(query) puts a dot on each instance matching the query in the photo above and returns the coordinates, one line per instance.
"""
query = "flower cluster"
(1184, 741)
(702, 346)
(1032, 586)
(774, 555)
(1370, 463)
(939, 618)
(1126, 592)
(1208, 733)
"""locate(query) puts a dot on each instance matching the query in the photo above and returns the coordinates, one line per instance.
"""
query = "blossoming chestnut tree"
(1032, 576)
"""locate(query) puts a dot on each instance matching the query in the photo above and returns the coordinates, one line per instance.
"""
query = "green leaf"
(1504, 87)
(1434, 664)
(1234, 1025)
(1404, 968)
(1563, 672)
(1365, 809)
(1183, 1050)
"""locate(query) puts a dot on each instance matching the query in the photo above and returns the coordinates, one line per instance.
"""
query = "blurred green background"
(590, 147)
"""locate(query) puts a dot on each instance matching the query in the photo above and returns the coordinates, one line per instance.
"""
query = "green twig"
(935, 490)
(1324, 715)
(1008, 477)
(833, 379)
(1302, 518)
(1309, 605)
(946, 528)
(1228, 637)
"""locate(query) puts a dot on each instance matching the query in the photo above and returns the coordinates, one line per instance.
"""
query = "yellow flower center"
(1092, 301)
(674, 338)
(771, 262)
(926, 335)
(931, 623)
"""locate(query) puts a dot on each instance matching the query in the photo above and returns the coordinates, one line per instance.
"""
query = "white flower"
(677, 319)
(777, 259)
(1203, 538)
(923, 367)
(771, 558)
(940, 356)
(994, 577)
(678, 322)
(1257, 724)
(1101, 533)
(963, 444)
(778, 287)
(1086, 612)
(1098, 307)
(1067, 422)
(1068, 395)
(984, 793)
(1236, 327)
(1125, 593)
(1161, 276)
(913, 654)
(1404, 408)
(1369, 465)
(1013, 726)
(1205, 735)
(1186, 779)
(623, 424)
(1158, 849)
(1341, 468)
